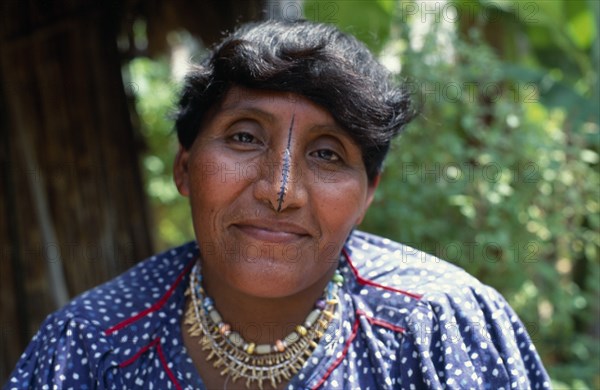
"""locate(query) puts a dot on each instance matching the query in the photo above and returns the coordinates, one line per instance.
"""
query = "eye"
(327, 155)
(243, 137)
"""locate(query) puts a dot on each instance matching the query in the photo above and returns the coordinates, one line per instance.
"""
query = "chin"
(270, 280)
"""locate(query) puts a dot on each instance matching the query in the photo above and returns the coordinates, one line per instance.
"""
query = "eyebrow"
(232, 110)
(329, 128)
(285, 171)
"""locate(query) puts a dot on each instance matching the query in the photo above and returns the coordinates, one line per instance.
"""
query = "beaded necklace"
(257, 363)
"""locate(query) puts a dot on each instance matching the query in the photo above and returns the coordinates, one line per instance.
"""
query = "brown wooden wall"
(69, 178)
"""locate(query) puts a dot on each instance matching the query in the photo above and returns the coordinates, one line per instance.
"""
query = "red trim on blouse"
(372, 320)
(380, 322)
(159, 304)
(161, 357)
(156, 342)
(369, 282)
(139, 353)
(165, 365)
(341, 357)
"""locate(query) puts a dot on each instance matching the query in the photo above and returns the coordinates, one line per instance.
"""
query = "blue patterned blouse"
(408, 321)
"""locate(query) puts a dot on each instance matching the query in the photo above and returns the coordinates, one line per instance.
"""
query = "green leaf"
(369, 21)
(581, 28)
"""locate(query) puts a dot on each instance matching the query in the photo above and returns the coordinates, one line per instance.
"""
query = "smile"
(274, 232)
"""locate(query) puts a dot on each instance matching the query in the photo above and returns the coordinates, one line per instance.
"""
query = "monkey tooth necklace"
(257, 363)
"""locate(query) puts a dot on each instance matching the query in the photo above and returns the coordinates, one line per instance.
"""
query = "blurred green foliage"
(499, 172)
(155, 95)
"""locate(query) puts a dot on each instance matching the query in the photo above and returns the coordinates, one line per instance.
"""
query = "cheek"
(214, 175)
(339, 205)
(214, 185)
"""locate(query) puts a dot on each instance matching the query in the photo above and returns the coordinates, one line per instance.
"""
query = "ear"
(180, 171)
(372, 186)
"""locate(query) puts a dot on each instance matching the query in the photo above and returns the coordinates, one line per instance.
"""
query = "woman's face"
(233, 174)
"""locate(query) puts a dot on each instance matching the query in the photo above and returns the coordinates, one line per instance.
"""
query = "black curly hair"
(315, 60)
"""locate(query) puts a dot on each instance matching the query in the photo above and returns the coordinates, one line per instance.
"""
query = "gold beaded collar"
(263, 362)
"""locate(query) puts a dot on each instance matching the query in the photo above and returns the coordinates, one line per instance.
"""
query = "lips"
(272, 231)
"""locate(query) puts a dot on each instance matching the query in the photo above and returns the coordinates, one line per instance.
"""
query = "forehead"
(273, 106)
(241, 96)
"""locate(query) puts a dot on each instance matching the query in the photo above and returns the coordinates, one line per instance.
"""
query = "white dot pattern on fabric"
(447, 331)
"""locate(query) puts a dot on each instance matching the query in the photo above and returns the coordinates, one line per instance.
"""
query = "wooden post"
(61, 84)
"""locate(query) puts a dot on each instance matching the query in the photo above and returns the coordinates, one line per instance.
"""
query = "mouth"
(272, 231)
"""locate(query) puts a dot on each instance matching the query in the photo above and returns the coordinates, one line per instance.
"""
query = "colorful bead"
(236, 339)
(215, 316)
(311, 318)
(301, 330)
(338, 279)
(224, 329)
(279, 346)
(291, 338)
(262, 349)
(320, 304)
(250, 348)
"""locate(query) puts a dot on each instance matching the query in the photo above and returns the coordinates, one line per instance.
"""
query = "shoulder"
(132, 292)
(394, 281)
(455, 329)
(86, 340)
(423, 287)
(387, 262)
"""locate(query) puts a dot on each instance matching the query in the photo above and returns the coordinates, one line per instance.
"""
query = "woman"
(283, 131)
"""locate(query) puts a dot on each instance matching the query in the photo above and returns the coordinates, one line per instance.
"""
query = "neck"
(258, 319)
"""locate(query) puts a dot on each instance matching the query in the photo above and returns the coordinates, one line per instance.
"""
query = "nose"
(282, 186)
